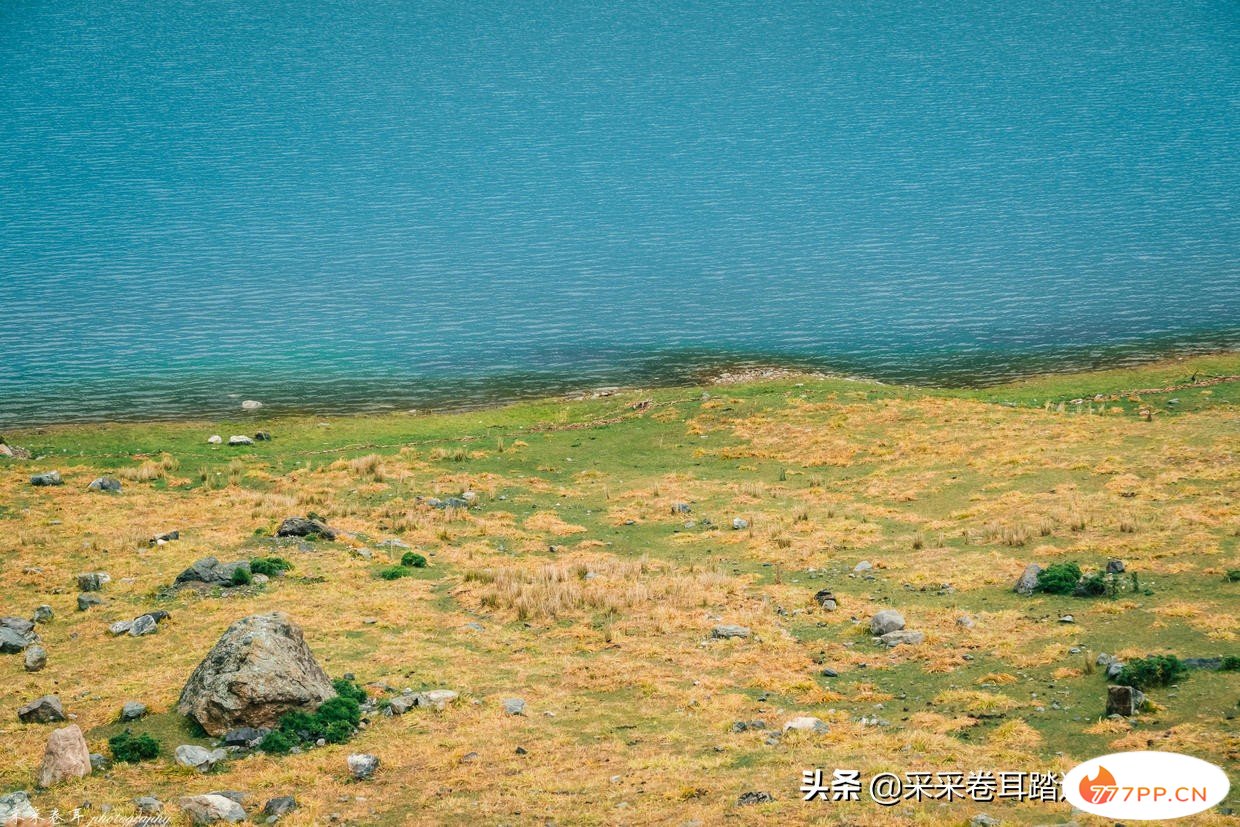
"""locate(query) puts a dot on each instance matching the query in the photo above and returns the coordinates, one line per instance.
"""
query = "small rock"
(251, 405)
(888, 620)
(682, 508)
(160, 539)
(514, 706)
(212, 808)
(806, 723)
(725, 631)
(242, 736)
(144, 625)
(279, 807)
(1067, 619)
(148, 805)
(133, 710)
(1115, 566)
(215, 439)
(46, 479)
(966, 621)
(830, 673)
(1113, 670)
(468, 758)
(521, 751)
(438, 699)
(43, 710)
(43, 614)
(99, 762)
(894, 639)
(93, 581)
(66, 757)
(752, 797)
(1124, 700)
(1028, 580)
(864, 565)
(305, 527)
(199, 758)
(109, 484)
(12, 642)
(262, 436)
(362, 765)
(983, 820)
(240, 439)
(36, 658)
(120, 627)
(739, 524)
(826, 600)
(16, 806)
(85, 601)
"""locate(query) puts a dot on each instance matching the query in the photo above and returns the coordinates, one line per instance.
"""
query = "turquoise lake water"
(346, 205)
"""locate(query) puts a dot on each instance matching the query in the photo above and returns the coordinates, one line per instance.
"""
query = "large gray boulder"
(16, 806)
(1028, 580)
(211, 809)
(212, 572)
(305, 527)
(11, 642)
(45, 710)
(260, 669)
(888, 620)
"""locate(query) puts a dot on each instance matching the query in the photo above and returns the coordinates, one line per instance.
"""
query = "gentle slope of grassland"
(596, 600)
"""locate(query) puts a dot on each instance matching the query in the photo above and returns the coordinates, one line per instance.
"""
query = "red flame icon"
(1101, 789)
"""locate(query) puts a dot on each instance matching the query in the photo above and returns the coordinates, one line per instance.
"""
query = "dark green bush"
(1059, 578)
(414, 560)
(270, 566)
(1231, 663)
(348, 689)
(1097, 584)
(131, 749)
(277, 742)
(1233, 576)
(1156, 670)
(241, 577)
(395, 572)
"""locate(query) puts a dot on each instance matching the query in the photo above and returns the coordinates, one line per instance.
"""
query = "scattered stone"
(1126, 701)
(983, 820)
(85, 601)
(160, 539)
(305, 527)
(246, 736)
(1115, 566)
(260, 669)
(215, 439)
(16, 807)
(144, 625)
(199, 758)
(277, 808)
(438, 699)
(251, 405)
(514, 706)
(66, 757)
(966, 621)
(1208, 664)
(212, 808)
(826, 600)
(240, 439)
(739, 524)
(469, 758)
(36, 658)
(1067, 619)
(752, 797)
(20, 625)
(1028, 580)
(120, 627)
(11, 642)
(43, 710)
(43, 614)
(148, 805)
(894, 639)
(262, 436)
(806, 723)
(109, 484)
(99, 762)
(47, 479)
(93, 581)
(363, 766)
(888, 620)
(682, 508)
(212, 572)
(1113, 670)
(133, 710)
(864, 565)
(727, 630)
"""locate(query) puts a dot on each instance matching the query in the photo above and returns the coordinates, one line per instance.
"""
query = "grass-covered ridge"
(598, 553)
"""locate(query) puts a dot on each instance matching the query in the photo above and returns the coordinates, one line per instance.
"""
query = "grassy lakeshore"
(575, 583)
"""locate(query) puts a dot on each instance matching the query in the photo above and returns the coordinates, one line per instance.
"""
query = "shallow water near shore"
(332, 209)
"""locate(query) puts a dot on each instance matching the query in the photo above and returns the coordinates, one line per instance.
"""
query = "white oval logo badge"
(1145, 786)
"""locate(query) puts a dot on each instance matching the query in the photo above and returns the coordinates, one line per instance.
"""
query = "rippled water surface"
(344, 205)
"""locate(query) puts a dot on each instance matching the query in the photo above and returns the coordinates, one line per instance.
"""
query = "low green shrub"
(130, 749)
(270, 566)
(1231, 663)
(1156, 670)
(1233, 576)
(277, 742)
(241, 577)
(395, 572)
(412, 559)
(334, 721)
(1059, 578)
